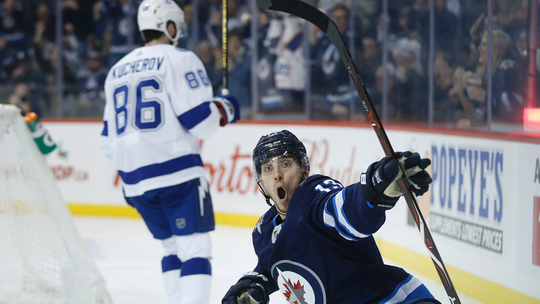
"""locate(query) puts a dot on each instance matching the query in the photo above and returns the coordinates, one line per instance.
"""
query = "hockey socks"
(170, 265)
(188, 282)
(196, 281)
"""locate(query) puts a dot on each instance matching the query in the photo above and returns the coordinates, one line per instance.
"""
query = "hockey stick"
(224, 49)
(307, 12)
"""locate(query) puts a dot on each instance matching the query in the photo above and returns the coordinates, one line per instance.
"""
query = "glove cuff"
(374, 194)
(224, 119)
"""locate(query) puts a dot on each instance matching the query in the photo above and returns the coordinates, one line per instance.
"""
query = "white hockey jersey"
(158, 107)
(285, 36)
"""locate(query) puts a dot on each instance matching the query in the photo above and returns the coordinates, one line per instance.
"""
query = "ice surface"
(130, 260)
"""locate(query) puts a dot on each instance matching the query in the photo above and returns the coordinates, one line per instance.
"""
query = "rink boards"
(483, 208)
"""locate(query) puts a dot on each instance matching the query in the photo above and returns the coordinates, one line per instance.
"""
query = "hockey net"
(42, 257)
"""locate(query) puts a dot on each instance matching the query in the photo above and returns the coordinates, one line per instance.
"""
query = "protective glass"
(277, 165)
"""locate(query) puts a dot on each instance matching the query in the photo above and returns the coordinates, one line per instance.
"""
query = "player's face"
(280, 176)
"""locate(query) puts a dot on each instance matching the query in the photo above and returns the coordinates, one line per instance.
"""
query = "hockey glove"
(379, 182)
(248, 290)
(229, 108)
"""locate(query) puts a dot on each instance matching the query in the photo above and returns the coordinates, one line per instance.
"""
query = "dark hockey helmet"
(282, 143)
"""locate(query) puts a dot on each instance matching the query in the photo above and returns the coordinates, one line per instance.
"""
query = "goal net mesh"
(42, 257)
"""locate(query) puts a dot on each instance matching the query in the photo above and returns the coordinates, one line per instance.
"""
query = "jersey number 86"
(148, 114)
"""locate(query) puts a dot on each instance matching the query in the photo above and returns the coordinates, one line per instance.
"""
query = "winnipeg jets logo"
(298, 284)
(294, 291)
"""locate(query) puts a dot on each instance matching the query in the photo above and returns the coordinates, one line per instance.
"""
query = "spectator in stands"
(51, 68)
(212, 27)
(395, 24)
(237, 12)
(268, 94)
(239, 70)
(78, 13)
(410, 80)
(8, 60)
(443, 73)
(514, 18)
(45, 26)
(122, 23)
(21, 98)
(26, 70)
(335, 83)
(446, 25)
(211, 59)
(44, 30)
(190, 40)
(284, 38)
(72, 49)
(370, 60)
(99, 23)
(29, 98)
(394, 98)
(13, 24)
(93, 76)
(237, 17)
(89, 88)
(470, 87)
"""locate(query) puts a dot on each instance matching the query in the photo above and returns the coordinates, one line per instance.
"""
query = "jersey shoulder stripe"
(154, 170)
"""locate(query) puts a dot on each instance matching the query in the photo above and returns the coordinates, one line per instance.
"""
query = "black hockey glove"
(248, 290)
(379, 182)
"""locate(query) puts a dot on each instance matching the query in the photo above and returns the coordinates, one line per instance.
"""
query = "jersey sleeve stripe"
(330, 222)
(154, 170)
(342, 218)
(195, 116)
(333, 213)
(405, 289)
(295, 42)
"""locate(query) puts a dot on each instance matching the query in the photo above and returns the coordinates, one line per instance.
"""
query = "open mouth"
(281, 193)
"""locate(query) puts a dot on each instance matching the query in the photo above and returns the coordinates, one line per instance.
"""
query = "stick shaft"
(224, 48)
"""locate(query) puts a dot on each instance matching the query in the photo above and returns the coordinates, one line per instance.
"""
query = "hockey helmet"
(154, 15)
(282, 143)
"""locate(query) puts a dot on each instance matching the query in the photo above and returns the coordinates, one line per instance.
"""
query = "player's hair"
(149, 35)
(343, 8)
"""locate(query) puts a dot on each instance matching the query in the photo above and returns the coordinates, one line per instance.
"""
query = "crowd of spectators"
(291, 56)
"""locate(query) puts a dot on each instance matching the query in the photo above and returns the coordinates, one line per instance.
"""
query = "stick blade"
(266, 4)
(300, 9)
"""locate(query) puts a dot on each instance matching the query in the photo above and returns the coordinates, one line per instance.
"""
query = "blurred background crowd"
(444, 63)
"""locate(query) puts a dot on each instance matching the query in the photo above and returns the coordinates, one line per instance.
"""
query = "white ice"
(130, 260)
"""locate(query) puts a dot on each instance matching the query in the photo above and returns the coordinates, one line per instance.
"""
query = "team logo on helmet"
(298, 283)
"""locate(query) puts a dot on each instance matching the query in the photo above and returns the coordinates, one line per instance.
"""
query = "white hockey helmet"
(154, 15)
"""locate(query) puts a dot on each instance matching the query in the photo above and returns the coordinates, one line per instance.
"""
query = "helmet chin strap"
(174, 41)
(284, 213)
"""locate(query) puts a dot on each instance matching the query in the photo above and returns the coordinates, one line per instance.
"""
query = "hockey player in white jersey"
(159, 105)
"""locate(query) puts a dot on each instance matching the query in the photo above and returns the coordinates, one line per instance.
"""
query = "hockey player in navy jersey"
(159, 106)
(315, 243)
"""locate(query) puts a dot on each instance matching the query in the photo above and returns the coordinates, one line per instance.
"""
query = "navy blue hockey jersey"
(324, 251)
